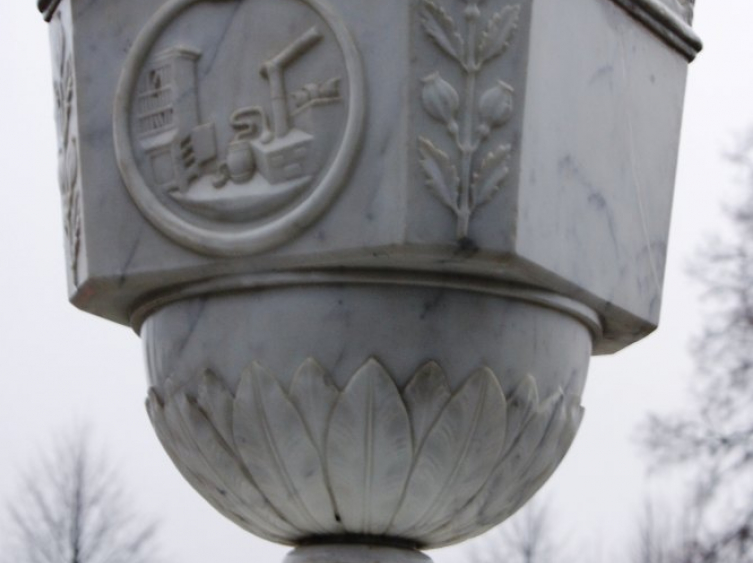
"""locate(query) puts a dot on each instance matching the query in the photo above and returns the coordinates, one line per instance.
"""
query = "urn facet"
(370, 246)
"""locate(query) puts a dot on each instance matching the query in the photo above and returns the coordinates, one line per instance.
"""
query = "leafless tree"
(71, 509)
(714, 438)
(528, 537)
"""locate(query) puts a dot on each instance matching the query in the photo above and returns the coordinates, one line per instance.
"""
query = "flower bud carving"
(469, 119)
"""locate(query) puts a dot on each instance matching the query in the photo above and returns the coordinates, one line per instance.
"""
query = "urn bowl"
(398, 415)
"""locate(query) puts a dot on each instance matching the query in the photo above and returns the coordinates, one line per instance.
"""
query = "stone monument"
(369, 245)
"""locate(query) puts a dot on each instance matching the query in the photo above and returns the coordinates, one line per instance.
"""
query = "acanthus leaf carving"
(425, 397)
(458, 454)
(491, 174)
(273, 459)
(277, 450)
(315, 396)
(478, 115)
(369, 421)
(236, 485)
(497, 36)
(442, 29)
(512, 481)
(198, 471)
(441, 175)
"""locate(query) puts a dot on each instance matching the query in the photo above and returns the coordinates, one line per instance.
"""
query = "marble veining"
(370, 246)
(386, 209)
(250, 179)
(309, 460)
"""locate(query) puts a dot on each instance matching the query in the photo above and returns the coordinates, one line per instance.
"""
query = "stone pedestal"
(370, 245)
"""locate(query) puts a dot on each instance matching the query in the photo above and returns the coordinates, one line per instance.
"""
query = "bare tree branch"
(528, 537)
(72, 510)
(714, 438)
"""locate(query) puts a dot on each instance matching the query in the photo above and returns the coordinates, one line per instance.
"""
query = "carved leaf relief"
(64, 87)
(491, 174)
(460, 181)
(442, 29)
(497, 36)
(278, 451)
(441, 175)
(425, 397)
(421, 463)
(369, 450)
(457, 456)
(314, 395)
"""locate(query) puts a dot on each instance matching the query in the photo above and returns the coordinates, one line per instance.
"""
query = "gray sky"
(60, 366)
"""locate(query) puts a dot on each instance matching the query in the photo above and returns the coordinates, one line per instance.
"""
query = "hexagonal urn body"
(371, 244)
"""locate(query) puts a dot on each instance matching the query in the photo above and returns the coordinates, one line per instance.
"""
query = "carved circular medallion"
(236, 121)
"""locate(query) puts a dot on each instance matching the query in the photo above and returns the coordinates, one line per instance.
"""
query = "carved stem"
(468, 145)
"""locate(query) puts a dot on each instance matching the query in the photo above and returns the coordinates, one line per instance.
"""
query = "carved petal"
(425, 396)
(369, 450)
(521, 406)
(563, 430)
(512, 481)
(276, 448)
(527, 469)
(183, 451)
(215, 399)
(314, 395)
(156, 412)
(457, 457)
(236, 484)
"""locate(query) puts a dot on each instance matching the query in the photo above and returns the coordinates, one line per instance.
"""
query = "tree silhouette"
(714, 438)
(71, 509)
(528, 537)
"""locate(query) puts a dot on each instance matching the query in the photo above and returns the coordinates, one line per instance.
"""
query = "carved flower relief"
(462, 178)
(67, 143)
(420, 463)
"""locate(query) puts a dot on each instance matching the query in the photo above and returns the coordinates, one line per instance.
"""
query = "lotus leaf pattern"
(423, 464)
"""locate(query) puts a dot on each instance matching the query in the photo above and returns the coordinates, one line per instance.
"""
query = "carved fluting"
(421, 463)
(472, 174)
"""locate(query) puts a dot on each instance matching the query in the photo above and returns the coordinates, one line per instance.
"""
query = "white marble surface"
(543, 210)
(373, 244)
(404, 414)
(354, 554)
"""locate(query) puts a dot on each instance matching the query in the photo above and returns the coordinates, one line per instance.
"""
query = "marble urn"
(370, 246)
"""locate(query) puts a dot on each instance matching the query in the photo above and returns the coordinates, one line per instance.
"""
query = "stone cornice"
(670, 20)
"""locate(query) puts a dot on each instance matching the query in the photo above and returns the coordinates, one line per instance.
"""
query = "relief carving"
(67, 144)
(463, 181)
(231, 139)
(291, 463)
